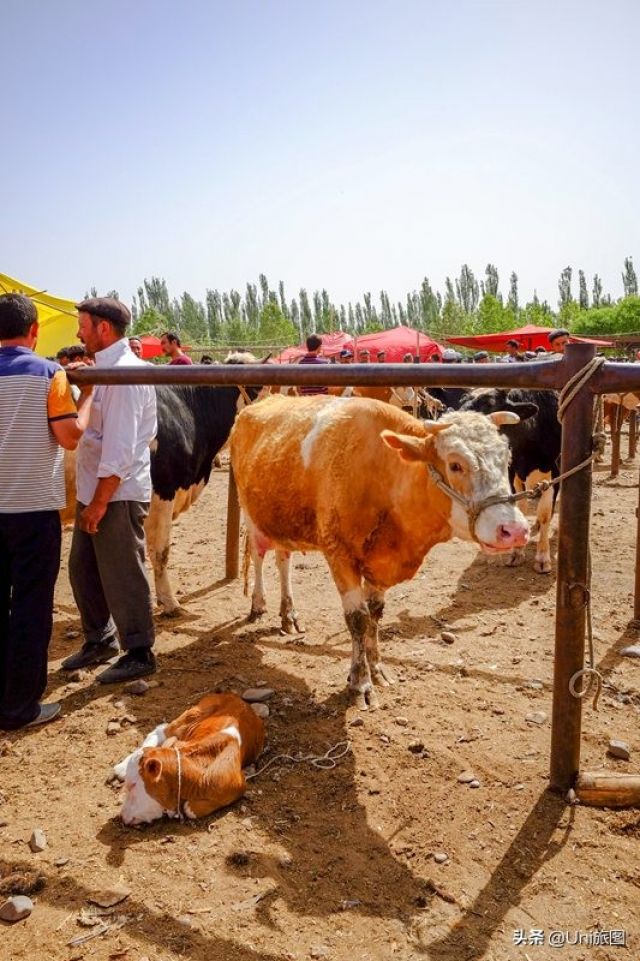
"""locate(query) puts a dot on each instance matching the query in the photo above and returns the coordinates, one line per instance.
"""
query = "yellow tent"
(58, 318)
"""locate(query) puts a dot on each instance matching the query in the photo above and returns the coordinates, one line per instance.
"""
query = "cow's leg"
(542, 563)
(517, 554)
(375, 603)
(358, 619)
(288, 616)
(157, 530)
(258, 546)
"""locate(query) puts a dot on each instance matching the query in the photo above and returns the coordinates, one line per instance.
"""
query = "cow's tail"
(246, 562)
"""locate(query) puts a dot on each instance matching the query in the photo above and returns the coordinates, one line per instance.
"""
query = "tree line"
(469, 305)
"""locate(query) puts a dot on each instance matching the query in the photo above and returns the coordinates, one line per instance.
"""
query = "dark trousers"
(109, 579)
(29, 565)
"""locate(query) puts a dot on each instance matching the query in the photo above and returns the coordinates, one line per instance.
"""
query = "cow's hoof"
(542, 564)
(171, 611)
(255, 614)
(515, 559)
(382, 676)
(367, 699)
(292, 625)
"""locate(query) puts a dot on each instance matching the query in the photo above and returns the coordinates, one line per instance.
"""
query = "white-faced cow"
(374, 489)
(535, 452)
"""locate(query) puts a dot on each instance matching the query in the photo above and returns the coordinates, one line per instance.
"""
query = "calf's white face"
(139, 807)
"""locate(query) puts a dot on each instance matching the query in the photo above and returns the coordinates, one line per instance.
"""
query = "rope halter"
(473, 510)
(179, 797)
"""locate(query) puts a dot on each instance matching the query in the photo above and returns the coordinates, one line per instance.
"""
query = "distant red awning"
(529, 337)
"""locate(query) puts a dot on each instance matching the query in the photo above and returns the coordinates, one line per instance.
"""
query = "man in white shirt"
(106, 564)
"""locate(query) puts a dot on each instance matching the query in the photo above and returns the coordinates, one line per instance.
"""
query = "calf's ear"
(411, 448)
(503, 418)
(152, 767)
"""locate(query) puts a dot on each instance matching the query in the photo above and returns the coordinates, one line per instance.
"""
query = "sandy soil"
(341, 863)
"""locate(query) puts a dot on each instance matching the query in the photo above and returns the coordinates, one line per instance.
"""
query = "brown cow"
(374, 490)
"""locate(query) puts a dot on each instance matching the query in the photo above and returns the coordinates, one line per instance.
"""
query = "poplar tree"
(596, 292)
(583, 296)
(490, 286)
(468, 290)
(512, 301)
(564, 287)
(629, 279)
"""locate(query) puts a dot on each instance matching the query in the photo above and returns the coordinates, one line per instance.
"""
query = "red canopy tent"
(396, 342)
(332, 344)
(529, 337)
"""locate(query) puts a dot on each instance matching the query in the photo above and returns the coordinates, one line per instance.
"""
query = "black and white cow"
(193, 426)
(535, 452)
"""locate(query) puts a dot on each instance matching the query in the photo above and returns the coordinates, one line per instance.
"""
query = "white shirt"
(122, 424)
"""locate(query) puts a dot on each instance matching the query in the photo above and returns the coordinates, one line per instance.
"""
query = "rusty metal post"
(633, 433)
(616, 431)
(571, 599)
(233, 529)
(636, 592)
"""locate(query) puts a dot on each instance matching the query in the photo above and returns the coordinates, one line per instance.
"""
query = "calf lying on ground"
(192, 766)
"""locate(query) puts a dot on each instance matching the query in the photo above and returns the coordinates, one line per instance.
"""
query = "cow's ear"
(504, 418)
(152, 767)
(409, 448)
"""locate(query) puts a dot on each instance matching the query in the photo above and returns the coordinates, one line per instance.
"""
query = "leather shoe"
(128, 668)
(90, 654)
(46, 713)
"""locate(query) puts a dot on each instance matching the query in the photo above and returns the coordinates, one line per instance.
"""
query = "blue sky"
(349, 145)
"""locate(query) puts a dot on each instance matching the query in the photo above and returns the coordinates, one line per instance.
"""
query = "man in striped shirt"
(37, 418)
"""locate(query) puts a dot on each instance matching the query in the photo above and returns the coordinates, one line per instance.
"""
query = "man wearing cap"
(106, 564)
(381, 356)
(559, 339)
(346, 356)
(481, 357)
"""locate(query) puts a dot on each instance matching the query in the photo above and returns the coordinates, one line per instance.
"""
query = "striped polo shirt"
(33, 392)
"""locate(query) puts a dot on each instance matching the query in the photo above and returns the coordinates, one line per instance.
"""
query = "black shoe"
(131, 665)
(90, 654)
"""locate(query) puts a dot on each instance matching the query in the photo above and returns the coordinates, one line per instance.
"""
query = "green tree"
(150, 321)
(583, 296)
(629, 279)
(275, 328)
(512, 301)
(193, 319)
(596, 293)
(493, 316)
(491, 281)
(467, 290)
(306, 317)
(564, 287)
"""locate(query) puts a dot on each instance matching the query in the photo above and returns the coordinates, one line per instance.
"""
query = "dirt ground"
(346, 863)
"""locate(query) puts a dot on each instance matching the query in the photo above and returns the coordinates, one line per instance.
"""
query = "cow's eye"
(455, 467)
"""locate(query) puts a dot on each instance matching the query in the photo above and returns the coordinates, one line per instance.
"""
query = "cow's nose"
(513, 535)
